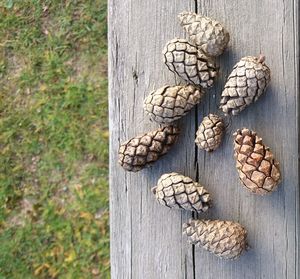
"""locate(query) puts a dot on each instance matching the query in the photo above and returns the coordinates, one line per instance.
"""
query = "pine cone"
(170, 103)
(177, 191)
(246, 83)
(189, 63)
(225, 239)
(207, 34)
(210, 133)
(257, 168)
(141, 151)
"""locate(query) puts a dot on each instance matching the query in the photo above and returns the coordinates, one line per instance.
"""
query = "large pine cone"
(141, 151)
(189, 63)
(257, 168)
(169, 103)
(177, 191)
(246, 83)
(225, 239)
(207, 34)
(210, 133)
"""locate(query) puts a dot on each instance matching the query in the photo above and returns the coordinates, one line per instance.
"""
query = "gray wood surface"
(146, 240)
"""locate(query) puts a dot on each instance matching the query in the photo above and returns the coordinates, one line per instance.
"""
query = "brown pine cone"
(177, 191)
(205, 33)
(169, 103)
(143, 150)
(246, 83)
(210, 133)
(189, 63)
(225, 239)
(257, 168)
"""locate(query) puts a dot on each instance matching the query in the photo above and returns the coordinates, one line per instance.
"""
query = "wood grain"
(146, 240)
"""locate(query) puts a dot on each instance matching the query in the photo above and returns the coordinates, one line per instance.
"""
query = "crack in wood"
(295, 14)
(196, 166)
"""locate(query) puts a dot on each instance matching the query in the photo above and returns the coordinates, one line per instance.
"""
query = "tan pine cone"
(210, 133)
(246, 83)
(257, 168)
(169, 103)
(207, 34)
(189, 63)
(178, 191)
(225, 239)
(143, 150)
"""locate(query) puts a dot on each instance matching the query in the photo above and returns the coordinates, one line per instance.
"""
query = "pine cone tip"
(261, 58)
(183, 14)
(153, 190)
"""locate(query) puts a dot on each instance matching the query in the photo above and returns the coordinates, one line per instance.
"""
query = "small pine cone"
(177, 191)
(207, 34)
(189, 63)
(170, 103)
(143, 150)
(225, 239)
(246, 83)
(210, 133)
(257, 168)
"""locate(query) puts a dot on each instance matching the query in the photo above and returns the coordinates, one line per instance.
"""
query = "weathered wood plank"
(267, 27)
(146, 239)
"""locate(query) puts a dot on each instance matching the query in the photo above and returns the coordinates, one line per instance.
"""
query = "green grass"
(53, 139)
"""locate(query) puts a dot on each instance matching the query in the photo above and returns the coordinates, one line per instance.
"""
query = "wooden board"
(146, 240)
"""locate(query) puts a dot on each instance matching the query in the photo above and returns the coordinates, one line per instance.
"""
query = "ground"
(53, 139)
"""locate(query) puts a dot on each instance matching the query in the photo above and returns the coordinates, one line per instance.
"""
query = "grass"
(53, 139)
